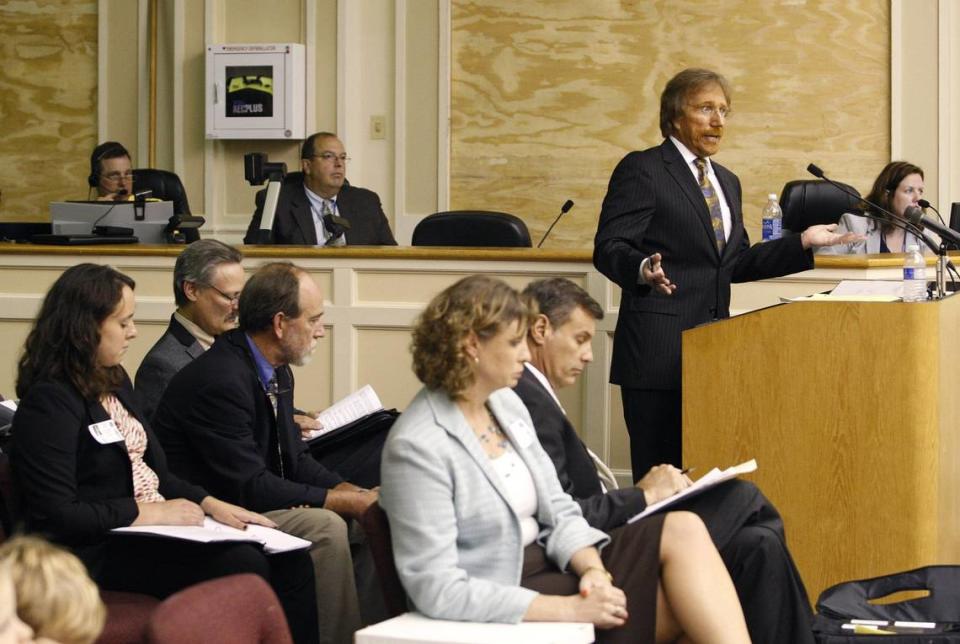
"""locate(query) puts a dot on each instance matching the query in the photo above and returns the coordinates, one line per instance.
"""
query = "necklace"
(492, 434)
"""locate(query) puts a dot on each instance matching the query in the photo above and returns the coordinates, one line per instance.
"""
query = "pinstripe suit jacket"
(456, 540)
(654, 205)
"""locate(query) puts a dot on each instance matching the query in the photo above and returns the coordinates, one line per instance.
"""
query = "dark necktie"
(273, 393)
(332, 226)
(713, 202)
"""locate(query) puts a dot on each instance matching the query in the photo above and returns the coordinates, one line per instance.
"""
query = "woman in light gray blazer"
(482, 530)
(898, 186)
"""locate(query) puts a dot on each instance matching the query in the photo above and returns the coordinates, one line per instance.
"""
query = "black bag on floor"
(839, 604)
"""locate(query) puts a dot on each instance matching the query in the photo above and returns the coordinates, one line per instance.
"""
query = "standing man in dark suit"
(318, 207)
(671, 211)
(744, 525)
(207, 280)
(227, 419)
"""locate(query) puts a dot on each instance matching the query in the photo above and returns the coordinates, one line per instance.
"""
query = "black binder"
(353, 451)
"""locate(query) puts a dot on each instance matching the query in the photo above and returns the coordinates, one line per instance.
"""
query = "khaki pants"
(337, 606)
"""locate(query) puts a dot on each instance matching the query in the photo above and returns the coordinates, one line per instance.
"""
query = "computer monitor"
(955, 216)
(79, 218)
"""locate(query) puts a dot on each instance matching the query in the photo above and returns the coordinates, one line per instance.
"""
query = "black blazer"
(725, 509)
(217, 427)
(653, 204)
(293, 223)
(575, 468)
(74, 490)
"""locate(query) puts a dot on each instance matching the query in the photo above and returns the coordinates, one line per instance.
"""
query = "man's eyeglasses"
(329, 157)
(709, 110)
(118, 176)
(233, 299)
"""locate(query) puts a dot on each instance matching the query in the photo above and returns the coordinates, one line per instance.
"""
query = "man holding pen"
(744, 525)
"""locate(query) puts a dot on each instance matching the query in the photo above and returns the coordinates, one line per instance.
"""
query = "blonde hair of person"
(479, 304)
(55, 595)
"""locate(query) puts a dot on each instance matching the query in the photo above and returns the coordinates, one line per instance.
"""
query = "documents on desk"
(360, 403)
(710, 479)
(414, 627)
(857, 291)
(212, 531)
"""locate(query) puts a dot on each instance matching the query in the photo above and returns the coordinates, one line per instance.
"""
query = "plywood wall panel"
(48, 107)
(547, 96)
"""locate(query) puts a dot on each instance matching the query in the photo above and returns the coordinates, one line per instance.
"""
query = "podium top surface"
(873, 260)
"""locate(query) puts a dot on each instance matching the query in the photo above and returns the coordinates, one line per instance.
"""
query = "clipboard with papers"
(711, 479)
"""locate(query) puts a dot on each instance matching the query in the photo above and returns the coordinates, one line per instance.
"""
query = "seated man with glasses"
(319, 207)
(207, 280)
(111, 172)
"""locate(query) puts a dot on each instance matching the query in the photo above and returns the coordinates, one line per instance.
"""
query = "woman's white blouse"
(521, 492)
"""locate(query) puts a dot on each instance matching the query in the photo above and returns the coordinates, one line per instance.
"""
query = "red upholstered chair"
(377, 528)
(127, 617)
(238, 609)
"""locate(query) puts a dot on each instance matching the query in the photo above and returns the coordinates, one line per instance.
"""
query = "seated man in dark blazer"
(207, 280)
(744, 525)
(318, 207)
(226, 419)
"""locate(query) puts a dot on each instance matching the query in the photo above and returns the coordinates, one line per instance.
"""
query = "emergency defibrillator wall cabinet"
(256, 91)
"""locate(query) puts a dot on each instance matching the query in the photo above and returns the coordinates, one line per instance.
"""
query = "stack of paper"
(212, 531)
(707, 481)
(414, 627)
(360, 403)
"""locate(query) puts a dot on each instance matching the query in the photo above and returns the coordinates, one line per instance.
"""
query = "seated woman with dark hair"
(482, 530)
(898, 186)
(86, 461)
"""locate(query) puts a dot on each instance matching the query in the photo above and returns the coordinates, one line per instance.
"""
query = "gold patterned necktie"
(713, 203)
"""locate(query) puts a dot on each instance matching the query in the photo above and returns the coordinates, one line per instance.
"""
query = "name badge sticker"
(523, 433)
(106, 432)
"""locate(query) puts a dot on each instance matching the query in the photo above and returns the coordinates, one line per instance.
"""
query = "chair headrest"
(808, 202)
(477, 228)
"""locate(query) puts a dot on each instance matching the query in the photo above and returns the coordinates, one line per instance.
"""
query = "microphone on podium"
(923, 203)
(567, 205)
(915, 216)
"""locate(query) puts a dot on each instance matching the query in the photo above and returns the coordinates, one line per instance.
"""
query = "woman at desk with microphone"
(898, 186)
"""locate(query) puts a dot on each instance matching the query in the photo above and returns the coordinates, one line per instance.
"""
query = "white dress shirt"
(690, 157)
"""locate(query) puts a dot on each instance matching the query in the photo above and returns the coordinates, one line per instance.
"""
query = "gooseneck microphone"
(916, 217)
(890, 218)
(923, 203)
(567, 205)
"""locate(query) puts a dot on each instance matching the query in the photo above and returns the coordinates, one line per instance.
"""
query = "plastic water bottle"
(772, 219)
(914, 275)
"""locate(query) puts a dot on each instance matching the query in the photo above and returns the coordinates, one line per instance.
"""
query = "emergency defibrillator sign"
(256, 91)
(249, 91)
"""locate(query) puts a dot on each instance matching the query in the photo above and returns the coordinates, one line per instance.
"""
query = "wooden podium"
(851, 410)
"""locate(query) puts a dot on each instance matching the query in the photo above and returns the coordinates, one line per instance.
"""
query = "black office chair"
(809, 202)
(476, 228)
(166, 186)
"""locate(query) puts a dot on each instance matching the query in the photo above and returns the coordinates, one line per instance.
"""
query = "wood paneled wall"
(548, 95)
(48, 108)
